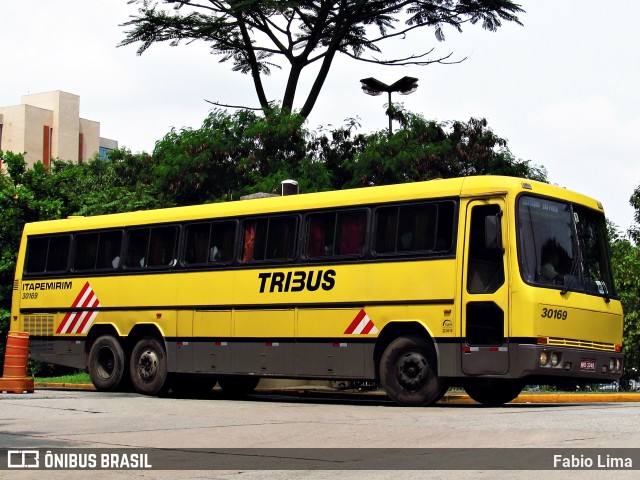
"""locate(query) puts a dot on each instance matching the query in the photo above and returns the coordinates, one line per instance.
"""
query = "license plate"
(588, 364)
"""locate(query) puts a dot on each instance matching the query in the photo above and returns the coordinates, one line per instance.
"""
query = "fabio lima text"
(598, 461)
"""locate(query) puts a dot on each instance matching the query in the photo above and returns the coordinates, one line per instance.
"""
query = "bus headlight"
(555, 359)
(544, 359)
(612, 365)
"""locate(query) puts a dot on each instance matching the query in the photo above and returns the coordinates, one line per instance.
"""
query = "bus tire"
(106, 363)
(148, 366)
(408, 372)
(493, 393)
(238, 386)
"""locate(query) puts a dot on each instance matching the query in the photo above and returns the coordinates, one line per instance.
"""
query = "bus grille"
(16, 284)
(565, 342)
(39, 326)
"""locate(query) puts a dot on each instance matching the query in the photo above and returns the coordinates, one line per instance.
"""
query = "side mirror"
(493, 232)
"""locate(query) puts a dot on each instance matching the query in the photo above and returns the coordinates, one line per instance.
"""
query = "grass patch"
(74, 378)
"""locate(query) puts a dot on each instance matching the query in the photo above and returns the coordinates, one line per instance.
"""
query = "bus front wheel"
(408, 372)
(148, 367)
(106, 363)
(493, 393)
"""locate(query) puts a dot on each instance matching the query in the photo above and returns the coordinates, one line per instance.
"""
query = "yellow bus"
(487, 283)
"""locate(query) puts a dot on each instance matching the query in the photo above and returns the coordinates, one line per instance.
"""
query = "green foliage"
(234, 155)
(625, 259)
(424, 150)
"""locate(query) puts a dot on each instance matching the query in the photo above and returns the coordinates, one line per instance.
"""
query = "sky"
(563, 89)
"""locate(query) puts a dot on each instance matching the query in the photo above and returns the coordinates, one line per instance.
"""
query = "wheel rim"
(105, 363)
(412, 370)
(148, 365)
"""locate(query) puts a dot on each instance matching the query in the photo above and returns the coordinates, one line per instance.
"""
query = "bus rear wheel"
(148, 367)
(106, 363)
(408, 372)
(238, 386)
(493, 393)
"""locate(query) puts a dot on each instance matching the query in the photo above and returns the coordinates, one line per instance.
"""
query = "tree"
(625, 262)
(257, 35)
(423, 150)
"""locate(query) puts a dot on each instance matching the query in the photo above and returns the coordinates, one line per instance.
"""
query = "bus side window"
(109, 247)
(223, 235)
(269, 239)
(137, 246)
(197, 240)
(162, 247)
(37, 249)
(48, 254)
(86, 250)
(320, 234)
(351, 227)
(422, 228)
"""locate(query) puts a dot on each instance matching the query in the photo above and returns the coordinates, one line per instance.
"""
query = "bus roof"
(454, 187)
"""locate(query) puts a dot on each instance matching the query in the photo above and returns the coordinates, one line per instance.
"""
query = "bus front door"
(485, 300)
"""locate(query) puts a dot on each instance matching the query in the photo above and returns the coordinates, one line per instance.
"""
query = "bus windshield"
(564, 246)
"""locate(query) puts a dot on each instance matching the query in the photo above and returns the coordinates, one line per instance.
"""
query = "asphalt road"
(52, 419)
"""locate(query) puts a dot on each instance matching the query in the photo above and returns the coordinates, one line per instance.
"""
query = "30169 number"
(555, 313)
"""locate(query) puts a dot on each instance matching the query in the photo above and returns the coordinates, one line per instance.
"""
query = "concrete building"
(48, 125)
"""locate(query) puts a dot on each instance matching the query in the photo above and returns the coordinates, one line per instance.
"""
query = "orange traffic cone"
(14, 378)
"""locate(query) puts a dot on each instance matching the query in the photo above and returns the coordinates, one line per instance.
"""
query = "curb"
(450, 398)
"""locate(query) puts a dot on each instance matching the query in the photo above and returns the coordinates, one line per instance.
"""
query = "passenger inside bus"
(551, 253)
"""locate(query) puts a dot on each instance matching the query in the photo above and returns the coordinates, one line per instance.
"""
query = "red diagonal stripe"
(87, 302)
(74, 305)
(87, 315)
(367, 328)
(361, 314)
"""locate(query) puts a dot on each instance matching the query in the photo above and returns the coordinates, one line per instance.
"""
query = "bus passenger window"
(223, 235)
(336, 233)
(109, 246)
(351, 230)
(413, 228)
(48, 254)
(269, 239)
(197, 242)
(86, 251)
(137, 246)
(209, 243)
(162, 247)
(320, 234)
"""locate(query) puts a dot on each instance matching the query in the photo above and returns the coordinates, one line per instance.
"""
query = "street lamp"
(374, 87)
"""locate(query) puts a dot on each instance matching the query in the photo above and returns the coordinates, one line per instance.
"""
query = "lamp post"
(374, 87)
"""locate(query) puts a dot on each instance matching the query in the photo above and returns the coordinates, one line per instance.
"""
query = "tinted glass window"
(210, 242)
(269, 239)
(414, 228)
(48, 254)
(97, 251)
(109, 247)
(137, 247)
(162, 246)
(336, 233)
